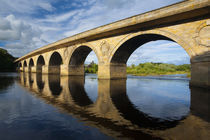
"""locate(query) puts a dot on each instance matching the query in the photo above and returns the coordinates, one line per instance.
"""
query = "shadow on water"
(77, 91)
(113, 112)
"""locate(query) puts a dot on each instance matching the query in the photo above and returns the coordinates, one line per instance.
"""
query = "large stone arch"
(160, 34)
(77, 58)
(40, 62)
(122, 51)
(55, 63)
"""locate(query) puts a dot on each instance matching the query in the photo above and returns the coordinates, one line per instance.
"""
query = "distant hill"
(6, 61)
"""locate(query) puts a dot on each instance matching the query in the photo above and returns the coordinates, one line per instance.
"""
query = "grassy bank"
(158, 69)
(146, 69)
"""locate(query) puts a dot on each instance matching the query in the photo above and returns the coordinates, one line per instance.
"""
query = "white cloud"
(23, 6)
(22, 31)
(159, 51)
(59, 18)
(19, 35)
(91, 57)
(46, 6)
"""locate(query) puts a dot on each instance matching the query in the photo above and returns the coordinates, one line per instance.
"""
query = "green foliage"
(148, 69)
(6, 61)
(158, 69)
(92, 68)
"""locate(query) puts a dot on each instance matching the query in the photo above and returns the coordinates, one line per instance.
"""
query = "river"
(52, 107)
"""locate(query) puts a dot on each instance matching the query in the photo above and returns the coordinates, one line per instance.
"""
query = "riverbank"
(150, 69)
(188, 74)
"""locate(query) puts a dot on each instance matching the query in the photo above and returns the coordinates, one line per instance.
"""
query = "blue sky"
(27, 25)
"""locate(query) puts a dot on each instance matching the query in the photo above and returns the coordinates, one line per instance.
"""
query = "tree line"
(6, 61)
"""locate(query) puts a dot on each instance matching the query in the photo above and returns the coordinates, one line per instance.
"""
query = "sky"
(28, 25)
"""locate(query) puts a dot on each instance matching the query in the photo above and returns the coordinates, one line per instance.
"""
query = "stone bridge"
(186, 23)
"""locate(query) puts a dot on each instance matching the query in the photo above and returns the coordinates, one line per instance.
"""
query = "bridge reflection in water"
(113, 112)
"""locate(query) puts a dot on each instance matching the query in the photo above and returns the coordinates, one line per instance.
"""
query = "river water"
(52, 107)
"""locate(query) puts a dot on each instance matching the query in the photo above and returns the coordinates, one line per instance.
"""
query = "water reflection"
(40, 82)
(113, 112)
(129, 112)
(31, 80)
(77, 91)
(5, 82)
(200, 103)
(55, 85)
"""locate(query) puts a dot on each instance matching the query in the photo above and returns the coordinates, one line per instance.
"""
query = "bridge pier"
(54, 69)
(44, 69)
(77, 70)
(200, 71)
(112, 71)
(39, 69)
(20, 69)
(32, 69)
(26, 69)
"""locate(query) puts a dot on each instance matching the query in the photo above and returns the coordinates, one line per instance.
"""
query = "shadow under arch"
(19, 65)
(40, 63)
(77, 59)
(77, 91)
(54, 63)
(55, 85)
(124, 50)
(24, 65)
(31, 64)
(130, 112)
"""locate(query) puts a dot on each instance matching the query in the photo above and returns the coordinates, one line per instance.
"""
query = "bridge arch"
(40, 63)
(31, 64)
(78, 57)
(24, 65)
(123, 50)
(19, 66)
(54, 63)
